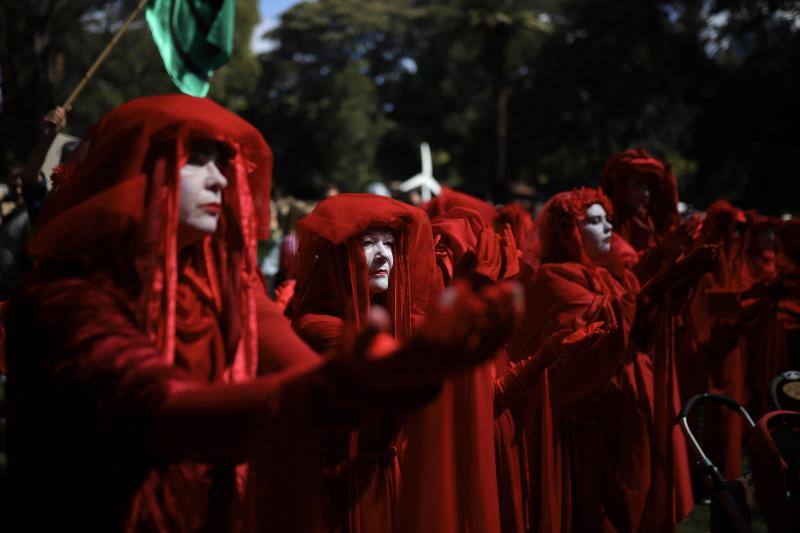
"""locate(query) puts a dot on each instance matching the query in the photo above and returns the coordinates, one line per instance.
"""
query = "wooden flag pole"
(97, 62)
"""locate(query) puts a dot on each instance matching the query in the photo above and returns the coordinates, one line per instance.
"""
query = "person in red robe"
(650, 237)
(478, 471)
(717, 316)
(450, 480)
(764, 344)
(598, 459)
(134, 346)
(357, 251)
(644, 194)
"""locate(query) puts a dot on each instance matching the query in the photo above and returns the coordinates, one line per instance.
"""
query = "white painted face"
(201, 185)
(378, 246)
(596, 231)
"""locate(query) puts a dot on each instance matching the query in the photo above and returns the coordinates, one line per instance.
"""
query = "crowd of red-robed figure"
(457, 366)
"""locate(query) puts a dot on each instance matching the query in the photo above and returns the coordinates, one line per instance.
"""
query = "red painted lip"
(380, 273)
(213, 208)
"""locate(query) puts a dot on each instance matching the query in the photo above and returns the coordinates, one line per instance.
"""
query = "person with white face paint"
(378, 246)
(608, 414)
(360, 254)
(200, 197)
(596, 231)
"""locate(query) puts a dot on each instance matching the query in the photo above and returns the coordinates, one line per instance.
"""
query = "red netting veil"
(115, 206)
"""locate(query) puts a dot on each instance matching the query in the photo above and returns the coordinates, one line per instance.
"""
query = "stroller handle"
(706, 465)
(733, 405)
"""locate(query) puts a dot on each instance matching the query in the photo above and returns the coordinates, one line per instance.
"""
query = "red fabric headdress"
(720, 222)
(116, 207)
(559, 225)
(664, 203)
(463, 236)
(450, 198)
(556, 236)
(330, 264)
(758, 263)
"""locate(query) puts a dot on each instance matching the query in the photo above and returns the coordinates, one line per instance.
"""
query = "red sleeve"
(84, 374)
(278, 344)
(321, 332)
(561, 298)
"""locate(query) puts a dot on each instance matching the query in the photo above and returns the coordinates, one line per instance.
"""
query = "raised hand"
(678, 278)
(465, 329)
(56, 119)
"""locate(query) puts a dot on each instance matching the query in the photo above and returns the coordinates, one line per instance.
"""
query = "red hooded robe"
(450, 473)
(715, 357)
(596, 456)
(114, 318)
(332, 293)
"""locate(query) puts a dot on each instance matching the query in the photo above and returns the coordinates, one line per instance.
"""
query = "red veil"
(662, 212)
(116, 201)
(450, 198)
(330, 266)
(556, 233)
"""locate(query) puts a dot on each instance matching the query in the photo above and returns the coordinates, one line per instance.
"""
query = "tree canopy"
(533, 91)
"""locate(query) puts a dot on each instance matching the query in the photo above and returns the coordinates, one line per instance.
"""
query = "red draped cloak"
(113, 318)
(364, 467)
(461, 469)
(715, 356)
(598, 459)
(765, 344)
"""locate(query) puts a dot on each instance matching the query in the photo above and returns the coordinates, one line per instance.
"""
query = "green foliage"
(538, 91)
(326, 90)
(542, 92)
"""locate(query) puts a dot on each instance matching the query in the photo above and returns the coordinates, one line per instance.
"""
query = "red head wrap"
(116, 207)
(720, 222)
(663, 208)
(464, 237)
(559, 225)
(450, 198)
(330, 263)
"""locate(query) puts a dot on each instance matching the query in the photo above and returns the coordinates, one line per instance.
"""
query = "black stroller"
(729, 508)
(774, 457)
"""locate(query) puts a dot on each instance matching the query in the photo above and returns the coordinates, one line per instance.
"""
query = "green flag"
(194, 37)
